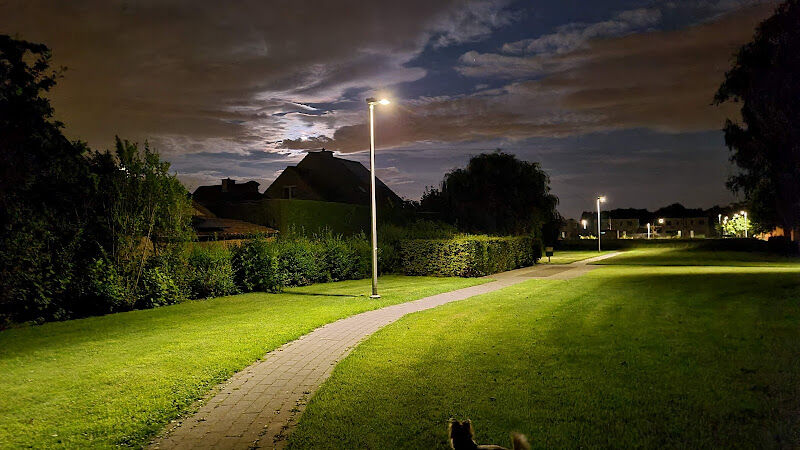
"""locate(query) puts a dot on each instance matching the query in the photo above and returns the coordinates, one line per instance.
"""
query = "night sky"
(611, 97)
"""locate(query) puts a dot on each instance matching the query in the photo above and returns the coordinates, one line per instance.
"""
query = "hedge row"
(717, 244)
(204, 271)
(467, 256)
(269, 265)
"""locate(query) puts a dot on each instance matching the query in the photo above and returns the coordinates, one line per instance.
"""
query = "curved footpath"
(258, 407)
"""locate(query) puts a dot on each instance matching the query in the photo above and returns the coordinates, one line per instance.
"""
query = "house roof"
(340, 180)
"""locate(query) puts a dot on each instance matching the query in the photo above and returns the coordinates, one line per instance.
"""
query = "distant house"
(324, 177)
(226, 192)
(686, 227)
(208, 226)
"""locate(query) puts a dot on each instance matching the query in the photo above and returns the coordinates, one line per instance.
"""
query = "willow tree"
(765, 145)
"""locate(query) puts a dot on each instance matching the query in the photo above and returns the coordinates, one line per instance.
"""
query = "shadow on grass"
(318, 294)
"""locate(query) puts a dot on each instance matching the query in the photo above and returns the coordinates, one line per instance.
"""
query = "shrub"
(158, 289)
(468, 256)
(339, 259)
(255, 266)
(210, 272)
(299, 261)
(105, 288)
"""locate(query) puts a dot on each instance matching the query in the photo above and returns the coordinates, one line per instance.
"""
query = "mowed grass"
(570, 256)
(688, 256)
(624, 356)
(117, 380)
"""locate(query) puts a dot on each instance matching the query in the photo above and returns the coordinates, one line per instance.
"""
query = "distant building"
(226, 192)
(625, 227)
(324, 177)
(570, 229)
(208, 226)
(685, 227)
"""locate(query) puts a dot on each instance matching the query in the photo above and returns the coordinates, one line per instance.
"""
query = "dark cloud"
(212, 74)
(662, 80)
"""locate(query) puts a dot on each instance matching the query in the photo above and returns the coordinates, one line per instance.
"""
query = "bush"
(468, 256)
(105, 288)
(300, 261)
(210, 272)
(339, 259)
(255, 266)
(158, 289)
(782, 245)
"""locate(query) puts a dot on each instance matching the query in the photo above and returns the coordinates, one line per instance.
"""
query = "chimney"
(227, 184)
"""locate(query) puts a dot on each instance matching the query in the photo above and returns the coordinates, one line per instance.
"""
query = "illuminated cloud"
(662, 80)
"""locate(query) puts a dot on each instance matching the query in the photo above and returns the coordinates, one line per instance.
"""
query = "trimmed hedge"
(300, 216)
(716, 244)
(468, 256)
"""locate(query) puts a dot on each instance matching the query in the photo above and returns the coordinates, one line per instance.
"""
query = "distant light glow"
(384, 101)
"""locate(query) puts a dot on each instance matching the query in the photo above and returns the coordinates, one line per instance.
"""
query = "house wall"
(671, 225)
(290, 177)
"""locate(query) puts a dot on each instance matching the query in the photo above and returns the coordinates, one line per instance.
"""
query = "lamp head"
(744, 213)
(601, 198)
(373, 100)
(660, 220)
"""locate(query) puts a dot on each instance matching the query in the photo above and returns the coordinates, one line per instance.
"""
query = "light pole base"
(374, 296)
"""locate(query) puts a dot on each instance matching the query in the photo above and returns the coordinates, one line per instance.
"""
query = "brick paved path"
(258, 406)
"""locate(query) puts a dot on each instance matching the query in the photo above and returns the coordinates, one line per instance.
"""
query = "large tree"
(64, 208)
(765, 145)
(497, 194)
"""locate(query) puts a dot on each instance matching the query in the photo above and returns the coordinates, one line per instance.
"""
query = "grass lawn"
(692, 257)
(570, 256)
(624, 356)
(118, 379)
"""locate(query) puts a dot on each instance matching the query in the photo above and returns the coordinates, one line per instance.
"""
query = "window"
(289, 192)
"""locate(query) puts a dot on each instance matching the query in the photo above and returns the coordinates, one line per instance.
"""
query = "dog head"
(461, 434)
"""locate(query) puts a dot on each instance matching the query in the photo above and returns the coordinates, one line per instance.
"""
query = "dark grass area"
(625, 356)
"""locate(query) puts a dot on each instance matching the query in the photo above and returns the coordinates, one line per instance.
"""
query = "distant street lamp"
(600, 199)
(744, 213)
(584, 222)
(372, 102)
(648, 230)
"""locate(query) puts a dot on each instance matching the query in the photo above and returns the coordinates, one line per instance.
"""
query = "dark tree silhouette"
(497, 194)
(766, 147)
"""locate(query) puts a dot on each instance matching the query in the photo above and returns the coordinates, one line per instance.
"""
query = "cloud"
(575, 35)
(661, 80)
(229, 72)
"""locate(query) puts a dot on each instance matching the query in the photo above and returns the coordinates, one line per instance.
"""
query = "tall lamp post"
(744, 213)
(372, 102)
(600, 199)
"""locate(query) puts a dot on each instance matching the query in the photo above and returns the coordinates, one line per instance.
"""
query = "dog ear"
(453, 426)
(468, 427)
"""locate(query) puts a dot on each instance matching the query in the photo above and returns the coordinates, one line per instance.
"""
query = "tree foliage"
(765, 78)
(69, 216)
(496, 194)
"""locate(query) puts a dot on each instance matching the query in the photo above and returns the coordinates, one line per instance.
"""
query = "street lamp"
(372, 102)
(744, 213)
(648, 230)
(584, 222)
(600, 199)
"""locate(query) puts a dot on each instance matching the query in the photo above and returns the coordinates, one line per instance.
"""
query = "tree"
(497, 194)
(765, 78)
(140, 207)
(42, 205)
(68, 214)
